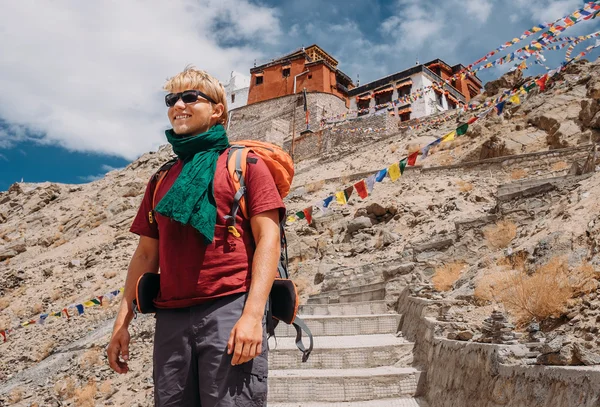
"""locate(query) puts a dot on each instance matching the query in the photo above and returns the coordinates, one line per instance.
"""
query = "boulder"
(376, 209)
(359, 223)
(507, 81)
(585, 356)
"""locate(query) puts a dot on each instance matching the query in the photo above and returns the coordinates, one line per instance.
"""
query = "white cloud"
(514, 18)
(478, 8)
(3, 157)
(547, 11)
(91, 178)
(88, 75)
(108, 168)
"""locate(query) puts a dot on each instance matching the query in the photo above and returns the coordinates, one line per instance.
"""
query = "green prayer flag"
(462, 129)
(300, 215)
(403, 165)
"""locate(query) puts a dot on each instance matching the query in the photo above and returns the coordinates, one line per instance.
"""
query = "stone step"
(396, 402)
(347, 308)
(337, 325)
(336, 298)
(342, 352)
(336, 385)
(350, 290)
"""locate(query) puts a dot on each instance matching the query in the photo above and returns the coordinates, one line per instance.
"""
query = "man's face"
(191, 118)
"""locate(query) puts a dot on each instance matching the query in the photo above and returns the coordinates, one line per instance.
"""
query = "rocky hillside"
(513, 203)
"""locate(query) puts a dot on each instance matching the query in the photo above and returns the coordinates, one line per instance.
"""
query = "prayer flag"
(79, 308)
(403, 165)
(542, 82)
(96, 301)
(308, 214)
(448, 137)
(515, 100)
(462, 129)
(3, 335)
(500, 107)
(412, 159)
(472, 120)
(300, 215)
(340, 197)
(348, 192)
(291, 219)
(88, 304)
(425, 151)
(394, 171)
(327, 201)
(381, 175)
(371, 183)
(361, 189)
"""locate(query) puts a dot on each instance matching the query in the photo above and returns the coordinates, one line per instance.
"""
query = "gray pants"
(191, 364)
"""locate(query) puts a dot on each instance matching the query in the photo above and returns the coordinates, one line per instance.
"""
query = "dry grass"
(45, 350)
(446, 275)
(84, 397)
(90, 359)
(106, 387)
(65, 389)
(314, 187)
(4, 303)
(56, 294)
(540, 295)
(37, 308)
(501, 234)
(393, 148)
(15, 395)
(110, 274)
(464, 186)
(518, 174)
(559, 166)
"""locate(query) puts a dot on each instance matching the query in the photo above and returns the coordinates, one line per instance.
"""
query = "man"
(210, 345)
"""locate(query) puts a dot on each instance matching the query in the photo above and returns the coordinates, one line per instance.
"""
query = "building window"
(404, 91)
(310, 76)
(440, 98)
(382, 98)
(404, 117)
(363, 104)
(286, 72)
(259, 80)
(233, 98)
(451, 105)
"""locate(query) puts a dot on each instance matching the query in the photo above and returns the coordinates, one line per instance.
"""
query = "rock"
(589, 108)
(74, 263)
(452, 335)
(553, 345)
(464, 336)
(376, 209)
(359, 223)
(565, 357)
(506, 81)
(388, 237)
(585, 356)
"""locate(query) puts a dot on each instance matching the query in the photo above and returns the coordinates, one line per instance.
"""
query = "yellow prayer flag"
(340, 197)
(88, 304)
(394, 171)
(515, 100)
(291, 219)
(536, 29)
(449, 137)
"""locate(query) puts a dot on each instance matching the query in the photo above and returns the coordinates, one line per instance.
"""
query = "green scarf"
(191, 199)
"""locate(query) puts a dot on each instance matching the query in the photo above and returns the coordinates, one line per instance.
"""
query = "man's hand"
(245, 340)
(119, 346)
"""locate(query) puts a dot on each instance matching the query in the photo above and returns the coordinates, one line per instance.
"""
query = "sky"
(81, 82)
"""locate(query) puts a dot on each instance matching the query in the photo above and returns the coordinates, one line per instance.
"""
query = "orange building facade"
(469, 86)
(310, 68)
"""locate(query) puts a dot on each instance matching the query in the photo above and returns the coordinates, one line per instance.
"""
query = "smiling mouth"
(182, 116)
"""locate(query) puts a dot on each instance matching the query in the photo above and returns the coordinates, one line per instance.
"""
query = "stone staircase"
(358, 360)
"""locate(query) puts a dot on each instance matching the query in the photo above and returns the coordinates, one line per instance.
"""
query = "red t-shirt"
(191, 271)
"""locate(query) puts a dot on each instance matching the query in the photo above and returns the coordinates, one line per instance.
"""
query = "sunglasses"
(187, 96)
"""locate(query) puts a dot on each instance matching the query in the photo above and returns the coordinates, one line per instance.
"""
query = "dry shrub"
(61, 228)
(501, 234)
(65, 389)
(90, 358)
(4, 303)
(412, 148)
(315, 186)
(106, 387)
(55, 294)
(45, 350)
(518, 174)
(393, 148)
(110, 274)
(37, 308)
(15, 395)
(464, 186)
(84, 397)
(446, 275)
(559, 166)
(515, 261)
(540, 295)
(345, 179)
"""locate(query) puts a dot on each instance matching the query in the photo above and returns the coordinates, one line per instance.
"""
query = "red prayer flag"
(542, 82)
(412, 159)
(361, 188)
(472, 120)
(3, 335)
(308, 214)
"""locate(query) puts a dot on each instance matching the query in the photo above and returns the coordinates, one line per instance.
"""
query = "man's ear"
(218, 110)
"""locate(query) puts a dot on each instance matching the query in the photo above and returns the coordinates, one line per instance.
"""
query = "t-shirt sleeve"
(141, 224)
(262, 195)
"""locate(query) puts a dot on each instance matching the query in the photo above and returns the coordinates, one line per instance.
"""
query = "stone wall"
(463, 374)
(273, 120)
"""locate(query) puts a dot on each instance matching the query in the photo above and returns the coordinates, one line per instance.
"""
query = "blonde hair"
(192, 78)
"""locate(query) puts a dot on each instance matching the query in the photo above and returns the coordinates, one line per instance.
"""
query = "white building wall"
(237, 90)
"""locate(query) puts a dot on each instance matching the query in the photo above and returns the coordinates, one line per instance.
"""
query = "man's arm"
(245, 341)
(144, 260)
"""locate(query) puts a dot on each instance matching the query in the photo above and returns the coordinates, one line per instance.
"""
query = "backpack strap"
(159, 176)
(237, 163)
(300, 326)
